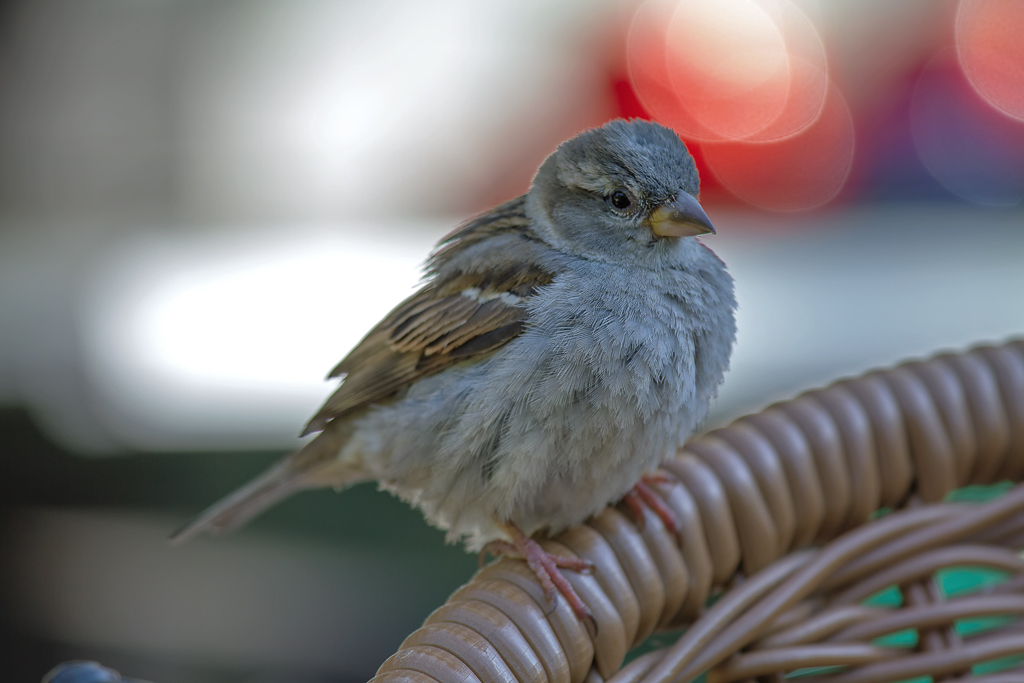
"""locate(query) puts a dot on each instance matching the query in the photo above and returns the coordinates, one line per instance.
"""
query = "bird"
(561, 347)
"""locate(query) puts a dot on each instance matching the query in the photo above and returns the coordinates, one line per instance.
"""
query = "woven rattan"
(780, 523)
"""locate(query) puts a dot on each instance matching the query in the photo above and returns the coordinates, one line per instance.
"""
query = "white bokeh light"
(188, 340)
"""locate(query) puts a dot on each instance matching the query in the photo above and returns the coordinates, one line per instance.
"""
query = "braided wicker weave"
(776, 512)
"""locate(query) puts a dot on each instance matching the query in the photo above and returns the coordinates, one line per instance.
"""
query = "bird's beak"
(682, 217)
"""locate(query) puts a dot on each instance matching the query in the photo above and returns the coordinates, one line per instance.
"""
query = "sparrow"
(562, 346)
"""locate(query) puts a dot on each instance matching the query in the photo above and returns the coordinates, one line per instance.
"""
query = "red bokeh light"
(799, 173)
(730, 70)
(990, 45)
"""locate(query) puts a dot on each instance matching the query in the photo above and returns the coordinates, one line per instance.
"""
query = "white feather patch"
(483, 297)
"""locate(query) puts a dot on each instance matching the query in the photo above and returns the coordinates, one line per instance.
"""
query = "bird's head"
(626, 191)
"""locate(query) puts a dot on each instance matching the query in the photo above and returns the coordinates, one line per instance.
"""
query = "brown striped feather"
(439, 325)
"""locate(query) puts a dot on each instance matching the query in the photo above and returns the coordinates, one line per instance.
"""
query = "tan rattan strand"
(776, 512)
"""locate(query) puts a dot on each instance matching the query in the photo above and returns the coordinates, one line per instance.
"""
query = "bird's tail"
(293, 473)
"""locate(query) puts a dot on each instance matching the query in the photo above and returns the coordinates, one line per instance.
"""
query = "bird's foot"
(547, 567)
(643, 495)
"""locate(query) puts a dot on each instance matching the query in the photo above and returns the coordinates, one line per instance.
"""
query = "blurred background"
(203, 206)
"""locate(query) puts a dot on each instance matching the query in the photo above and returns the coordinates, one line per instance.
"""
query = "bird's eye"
(620, 200)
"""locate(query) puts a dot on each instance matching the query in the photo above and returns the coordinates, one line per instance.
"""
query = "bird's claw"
(547, 568)
(643, 495)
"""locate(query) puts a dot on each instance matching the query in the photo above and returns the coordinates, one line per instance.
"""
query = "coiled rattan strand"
(800, 472)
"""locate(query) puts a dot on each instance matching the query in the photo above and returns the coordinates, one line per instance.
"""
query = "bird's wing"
(466, 315)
